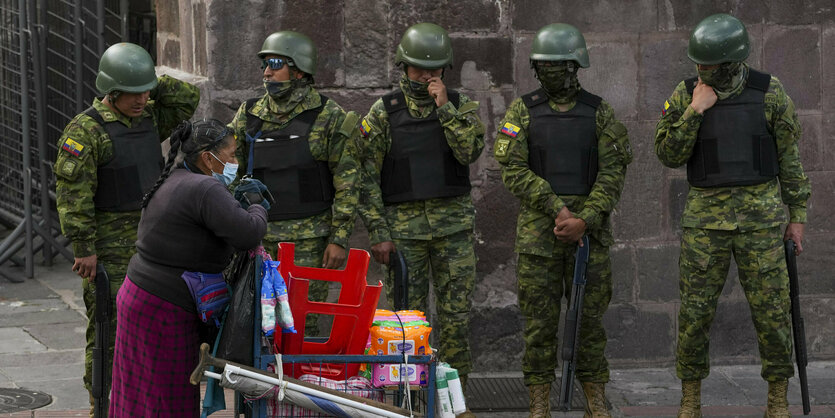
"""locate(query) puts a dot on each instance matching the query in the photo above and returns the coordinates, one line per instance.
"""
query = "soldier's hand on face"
(437, 90)
(570, 230)
(381, 251)
(334, 257)
(85, 267)
(703, 97)
(794, 232)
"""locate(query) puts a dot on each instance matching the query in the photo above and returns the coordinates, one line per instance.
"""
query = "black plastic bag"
(236, 338)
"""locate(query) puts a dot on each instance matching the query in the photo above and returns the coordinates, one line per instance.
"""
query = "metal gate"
(49, 52)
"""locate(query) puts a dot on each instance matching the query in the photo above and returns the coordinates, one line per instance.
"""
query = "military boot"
(595, 400)
(691, 399)
(540, 396)
(778, 403)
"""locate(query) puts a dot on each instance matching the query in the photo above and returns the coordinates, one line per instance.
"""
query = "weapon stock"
(101, 379)
(571, 331)
(798, 328)
(397, 263)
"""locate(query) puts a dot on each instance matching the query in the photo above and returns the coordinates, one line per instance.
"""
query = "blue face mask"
(230, 171)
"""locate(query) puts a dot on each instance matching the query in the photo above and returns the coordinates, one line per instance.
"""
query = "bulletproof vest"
(734, 146)
(563, 145)
(420, 164)
(134, 168)
(283, 162)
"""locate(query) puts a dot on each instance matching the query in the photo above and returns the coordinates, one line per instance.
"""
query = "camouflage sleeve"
(614, 154)
(373, 144)
(676, 131)
(463, 129)
(79, 150)
(795, 187)
(173, 102)
(238, 127)
(511, 151)
(343, 161)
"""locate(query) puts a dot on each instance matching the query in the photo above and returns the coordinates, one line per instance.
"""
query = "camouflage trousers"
(452, 262)
(542, 283)
(703, 265)
(115, 261)
(308, 253)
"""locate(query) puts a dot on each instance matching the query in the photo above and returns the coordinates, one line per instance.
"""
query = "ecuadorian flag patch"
(364, 128)
(664, 109)
(510, 129)
(72, 147)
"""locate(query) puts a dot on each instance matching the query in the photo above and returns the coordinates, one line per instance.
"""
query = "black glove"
(251, 191)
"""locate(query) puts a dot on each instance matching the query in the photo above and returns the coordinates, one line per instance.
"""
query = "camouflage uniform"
(545, 265)
(332, 139)
(743, 220)
(434, 233)
(110, 236)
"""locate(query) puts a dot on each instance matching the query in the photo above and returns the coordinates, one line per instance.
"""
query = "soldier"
(419, 141)
(301, 145)
(109, 156)
(564, 155)
(734, 204)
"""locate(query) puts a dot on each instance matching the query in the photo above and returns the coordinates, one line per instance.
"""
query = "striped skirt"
(156, 351)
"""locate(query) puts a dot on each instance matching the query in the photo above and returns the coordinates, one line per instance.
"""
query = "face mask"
(279, 90)
(721, 77)
(559, 81)
(230, 171)
(416, 90)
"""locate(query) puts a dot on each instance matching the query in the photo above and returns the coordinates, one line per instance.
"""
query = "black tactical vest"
(419, 164)
(734, 146)
(563, 145)
(134, 168)
(282, 160)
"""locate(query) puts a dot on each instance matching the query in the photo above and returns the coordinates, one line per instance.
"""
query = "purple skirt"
(156, 351)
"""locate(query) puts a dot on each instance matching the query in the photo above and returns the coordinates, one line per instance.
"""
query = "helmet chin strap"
(571, 69)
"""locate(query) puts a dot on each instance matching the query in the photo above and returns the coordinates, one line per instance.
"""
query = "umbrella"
(258, 383)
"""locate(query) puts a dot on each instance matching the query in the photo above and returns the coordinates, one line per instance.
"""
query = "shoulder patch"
(68, 168)
(501, 147)
(665, 108)
(510, 129)
(72, 147)
(365, 128)
(349, 124)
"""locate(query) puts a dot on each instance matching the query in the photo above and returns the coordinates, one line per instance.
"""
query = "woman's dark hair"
(191, 139)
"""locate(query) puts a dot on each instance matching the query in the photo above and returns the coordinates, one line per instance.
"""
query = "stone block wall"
(638, 55)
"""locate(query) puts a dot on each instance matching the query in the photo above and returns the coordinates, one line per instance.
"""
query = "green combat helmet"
(126, 67)
(718, 39)
(560, 42)
(425, 45)
(296, 46)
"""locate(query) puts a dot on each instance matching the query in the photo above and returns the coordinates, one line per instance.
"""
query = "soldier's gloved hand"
(252, 191)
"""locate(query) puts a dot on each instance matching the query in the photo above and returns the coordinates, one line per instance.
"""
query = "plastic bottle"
(444, 405)
(456, 394)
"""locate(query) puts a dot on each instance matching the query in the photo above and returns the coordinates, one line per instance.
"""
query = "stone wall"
(637, 50)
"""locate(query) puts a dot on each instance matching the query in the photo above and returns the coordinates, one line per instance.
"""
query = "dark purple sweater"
(192, 223)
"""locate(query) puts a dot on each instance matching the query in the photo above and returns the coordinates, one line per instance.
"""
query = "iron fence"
(49, 51)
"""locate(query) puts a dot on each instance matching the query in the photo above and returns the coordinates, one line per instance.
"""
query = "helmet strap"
(571, 69)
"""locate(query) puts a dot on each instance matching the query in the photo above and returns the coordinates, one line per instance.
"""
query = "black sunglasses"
(275, 63)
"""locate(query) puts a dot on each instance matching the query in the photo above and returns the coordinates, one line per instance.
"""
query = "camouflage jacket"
(426, 219)
(332, 139)
(540, 205)
(171, 102)
(746, 207)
